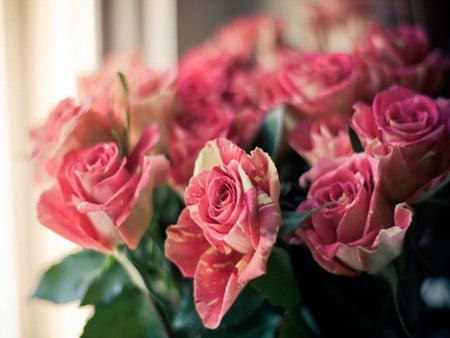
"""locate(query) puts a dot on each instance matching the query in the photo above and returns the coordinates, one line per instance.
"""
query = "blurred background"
(44, 45)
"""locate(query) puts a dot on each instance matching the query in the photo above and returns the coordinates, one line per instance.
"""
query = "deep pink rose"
(323, 143)
(225, 234)
(320, 84)
(401, 55)
(410, 134)
(218, 96)
(357, 229)
(102, 199)
(71, 126)
(189, 133)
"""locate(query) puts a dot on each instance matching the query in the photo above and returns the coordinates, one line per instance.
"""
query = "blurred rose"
(150, 94)
(410, 134)
(226, 233)
(189, 133)
(102, 199)
(323, 143)
(217, 96)
(71, 126)
(356, 229)
(401, 55)
(338, 26)
(254, 36)
(320, 84)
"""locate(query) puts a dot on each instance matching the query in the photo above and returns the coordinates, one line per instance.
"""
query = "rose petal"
(185, 244)
(57, 216)
(216, 285)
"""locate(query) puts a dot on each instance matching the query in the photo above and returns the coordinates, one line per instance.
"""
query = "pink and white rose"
(356, 229)
(225, 234)
(102, 199)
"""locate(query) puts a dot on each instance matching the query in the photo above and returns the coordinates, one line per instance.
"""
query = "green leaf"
(110, 284)
(248, 302)
(271, 132)
(355, 141)
(187, 316)
(245, 306)
(278, 285)
(263, 324)
(128, 315)
(294, 325)
(68, 280)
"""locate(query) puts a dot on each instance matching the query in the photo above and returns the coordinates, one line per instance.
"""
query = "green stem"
(390, 275)
(134, 270)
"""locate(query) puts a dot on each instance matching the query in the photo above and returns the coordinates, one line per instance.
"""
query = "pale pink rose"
(320, 84)
(254, 39)
(401, 55)
(150, 94)
(225, 234)
(324, 137)
(410, 134)
(71, 126)
(356, 229)
(338, 26)
(102, 199)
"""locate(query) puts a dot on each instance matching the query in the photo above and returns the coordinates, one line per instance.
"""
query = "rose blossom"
(356, 229)
(225, 234)
(254, 36)
(337, 26)
(410, 134)
(401, 55)
(320, 84)
(323, 143)
(68, 127)
(150, 94)
(102, 199)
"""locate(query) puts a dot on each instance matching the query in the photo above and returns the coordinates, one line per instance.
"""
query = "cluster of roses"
(189, 125)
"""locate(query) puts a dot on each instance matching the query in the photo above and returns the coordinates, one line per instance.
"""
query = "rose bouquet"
(258, 188)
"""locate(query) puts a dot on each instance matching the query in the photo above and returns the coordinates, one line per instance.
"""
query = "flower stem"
(390, 275)
(138, 276)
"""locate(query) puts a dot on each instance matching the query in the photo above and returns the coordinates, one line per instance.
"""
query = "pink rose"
(323, 143)
(225, 234)
(356, 229)
(410, 134)
(102, 199)
(320, 84)
(71, 126)
(401, 55)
